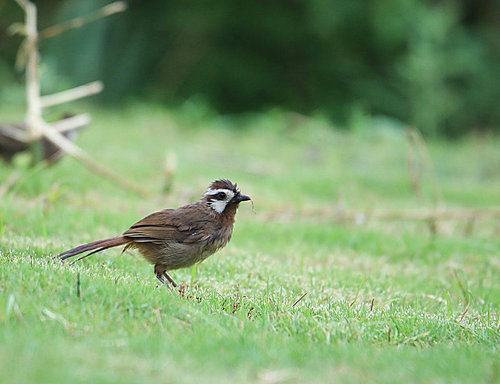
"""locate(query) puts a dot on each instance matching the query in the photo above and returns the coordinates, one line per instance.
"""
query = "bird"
(178, 238)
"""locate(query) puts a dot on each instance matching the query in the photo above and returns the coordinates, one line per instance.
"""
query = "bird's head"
(222, 194)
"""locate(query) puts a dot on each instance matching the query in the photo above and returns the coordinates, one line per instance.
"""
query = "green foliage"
(386, 301)
(432, 65)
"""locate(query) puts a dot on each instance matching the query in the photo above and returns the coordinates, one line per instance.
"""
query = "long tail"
(96, 246)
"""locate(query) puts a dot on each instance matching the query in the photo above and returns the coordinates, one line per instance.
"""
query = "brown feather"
(104, 244)
(175, 238)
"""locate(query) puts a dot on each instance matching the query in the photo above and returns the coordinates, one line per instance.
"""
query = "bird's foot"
(164, 281)
(170, 280)
(164, 277)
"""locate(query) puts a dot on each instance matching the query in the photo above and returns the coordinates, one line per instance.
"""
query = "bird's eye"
(221, 196)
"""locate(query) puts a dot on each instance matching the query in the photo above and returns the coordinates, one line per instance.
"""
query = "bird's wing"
(181, 225)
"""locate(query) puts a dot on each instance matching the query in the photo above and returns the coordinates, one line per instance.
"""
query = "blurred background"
(431, 64)
(366, 133)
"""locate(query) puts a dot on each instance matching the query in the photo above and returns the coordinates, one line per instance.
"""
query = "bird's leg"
(169, 278)
(160, 275)
(161, 278)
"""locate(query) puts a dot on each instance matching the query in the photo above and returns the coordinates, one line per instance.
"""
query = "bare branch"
(34, 113)
(71, 94)
(456, 214)
(72, 123)
(36, 126)
(25, 5)
(77, 22)
(14, 131)
(328, 214)
(73, 150)
(17, 29)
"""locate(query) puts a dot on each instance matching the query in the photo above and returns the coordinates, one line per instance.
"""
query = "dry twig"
(299, 299)
(71, 94)
(77, 22)
(418, 141)
(36, 126)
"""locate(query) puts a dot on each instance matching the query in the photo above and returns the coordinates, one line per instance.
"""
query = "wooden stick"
(71, 123)
(34, 113)
(67, 124)
(73, 150)
(407, 215)
(15, 133)
(71, 94)
(35, 124)
(457, 214)
(77, 22)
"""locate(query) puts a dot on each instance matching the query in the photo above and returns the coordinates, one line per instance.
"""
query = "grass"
(384, 301)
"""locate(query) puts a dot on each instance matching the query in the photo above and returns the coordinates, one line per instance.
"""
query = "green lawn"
(385, 300)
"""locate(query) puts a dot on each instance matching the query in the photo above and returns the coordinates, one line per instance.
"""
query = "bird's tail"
(96, 246)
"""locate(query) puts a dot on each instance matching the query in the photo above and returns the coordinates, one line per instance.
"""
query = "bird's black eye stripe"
(220, 196)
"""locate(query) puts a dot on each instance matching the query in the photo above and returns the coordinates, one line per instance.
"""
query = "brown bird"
(178, 238)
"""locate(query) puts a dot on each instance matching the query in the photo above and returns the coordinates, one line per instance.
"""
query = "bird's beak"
(239, 198)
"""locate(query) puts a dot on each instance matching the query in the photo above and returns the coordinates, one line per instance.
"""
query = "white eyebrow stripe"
(216, 191)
